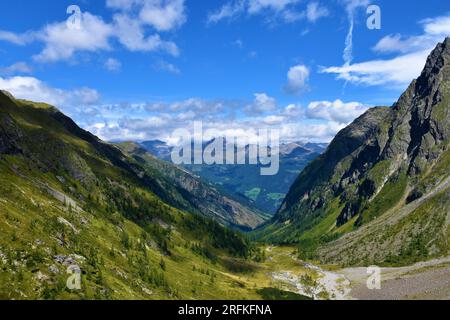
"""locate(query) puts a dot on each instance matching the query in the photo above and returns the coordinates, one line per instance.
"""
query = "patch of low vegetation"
(239, 266)
(253, 193)
(391, 194)
(277, 294)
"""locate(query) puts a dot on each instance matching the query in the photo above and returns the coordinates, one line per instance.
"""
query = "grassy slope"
(122, 259)
(383, 237)
(397, 232)
(63, 201)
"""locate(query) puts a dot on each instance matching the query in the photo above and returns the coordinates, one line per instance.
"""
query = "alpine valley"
(136, 226)
(245, 182)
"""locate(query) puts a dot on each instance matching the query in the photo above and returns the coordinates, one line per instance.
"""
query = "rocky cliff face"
(386, 160)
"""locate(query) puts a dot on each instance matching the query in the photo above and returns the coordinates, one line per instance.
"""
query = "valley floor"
(425, 280)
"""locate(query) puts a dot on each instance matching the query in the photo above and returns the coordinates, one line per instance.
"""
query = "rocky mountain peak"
(438, 60)
(421, 114)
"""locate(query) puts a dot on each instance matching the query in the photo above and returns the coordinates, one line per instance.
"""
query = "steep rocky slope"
(380, 193)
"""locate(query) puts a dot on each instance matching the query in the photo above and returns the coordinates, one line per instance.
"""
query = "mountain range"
(245, 182)
(133, 226)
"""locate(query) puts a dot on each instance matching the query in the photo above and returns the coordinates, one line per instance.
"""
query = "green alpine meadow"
(119, 196)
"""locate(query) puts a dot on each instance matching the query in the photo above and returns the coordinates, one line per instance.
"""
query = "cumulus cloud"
(33, 89)
(61, 41)
(297, 79)
(163, 15)
(336, 111)
(130, 26)
(262, 104)
(411, 56)
(131, 34)
(319, 121)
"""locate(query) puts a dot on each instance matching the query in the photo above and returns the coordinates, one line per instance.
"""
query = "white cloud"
(262, 104)
(318, 122)
(228, 10)
(255, 6)
(437, 26)
(113, 65)
(310, 132)
(129, 27)
(293, 110)
(396, 43)
(112, 131)
(399, 71)
(18, 67)
(61, 42)
(148, 123)
(402, 69)
(123, 4)
(297, 79)
(33, 89)
(85, 96)
(201, 107)
(287, 10)
(273, 119)
(132, 35)
(314, 11)
(351, 6)
(167, 67)
(18, 39)
(435, 30)
(163, 15)
(336, 111)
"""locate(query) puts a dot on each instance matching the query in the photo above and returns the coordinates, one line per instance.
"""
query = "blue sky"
(138, 69)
